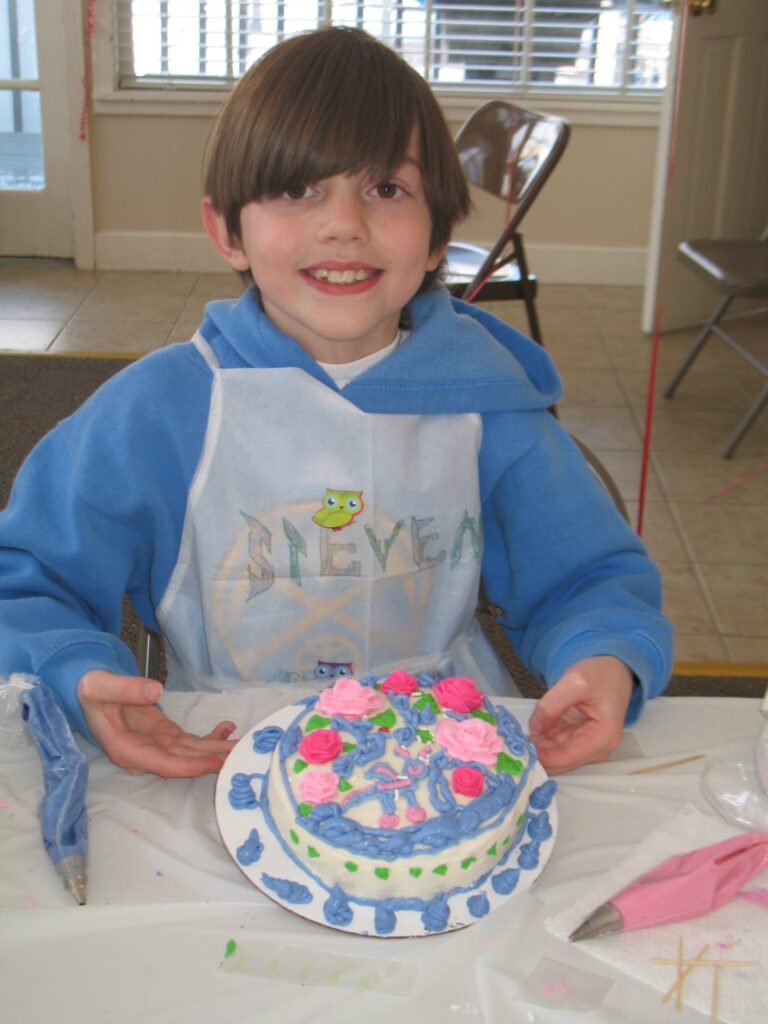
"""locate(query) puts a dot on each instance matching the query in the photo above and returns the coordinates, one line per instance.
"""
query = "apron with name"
(320, 541)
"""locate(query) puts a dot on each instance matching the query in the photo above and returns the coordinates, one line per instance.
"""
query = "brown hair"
(332, 101)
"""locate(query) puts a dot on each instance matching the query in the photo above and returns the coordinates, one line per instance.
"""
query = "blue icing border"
(478, 905)
(291, 892)
(241, 795)
(251, 850)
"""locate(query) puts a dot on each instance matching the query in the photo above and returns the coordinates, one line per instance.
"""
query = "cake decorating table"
(174, 932)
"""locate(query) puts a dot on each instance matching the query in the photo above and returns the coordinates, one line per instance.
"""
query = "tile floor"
(706, 519)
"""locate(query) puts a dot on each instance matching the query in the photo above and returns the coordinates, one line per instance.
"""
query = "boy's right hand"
(123, 718)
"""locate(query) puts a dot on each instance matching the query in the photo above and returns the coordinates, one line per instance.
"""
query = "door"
(36, 129)
(715, 125)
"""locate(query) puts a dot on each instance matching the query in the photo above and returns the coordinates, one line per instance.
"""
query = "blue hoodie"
(97, 509)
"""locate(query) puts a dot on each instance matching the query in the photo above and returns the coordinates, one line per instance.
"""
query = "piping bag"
(63, 818)
(685, 886)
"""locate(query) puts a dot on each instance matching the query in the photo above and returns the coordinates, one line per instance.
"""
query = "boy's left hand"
(580, 720)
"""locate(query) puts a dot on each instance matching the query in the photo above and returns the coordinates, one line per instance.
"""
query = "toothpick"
(715, 991)
(667, 764)
(677, 987)
(708, 963)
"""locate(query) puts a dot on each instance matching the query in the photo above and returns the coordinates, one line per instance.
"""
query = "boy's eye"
(387, 190)
(298, 192)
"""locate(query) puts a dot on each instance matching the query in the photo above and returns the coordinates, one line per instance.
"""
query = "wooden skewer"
(667, 764)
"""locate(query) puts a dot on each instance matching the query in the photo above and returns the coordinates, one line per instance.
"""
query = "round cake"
(394, 795)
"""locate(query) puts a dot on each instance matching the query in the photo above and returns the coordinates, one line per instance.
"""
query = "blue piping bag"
(65, 772)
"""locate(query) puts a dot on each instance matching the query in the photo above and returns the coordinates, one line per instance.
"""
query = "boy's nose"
(344, 217)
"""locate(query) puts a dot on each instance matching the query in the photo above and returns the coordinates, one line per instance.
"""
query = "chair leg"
(530, 305)
(754, 411)
(698, 345)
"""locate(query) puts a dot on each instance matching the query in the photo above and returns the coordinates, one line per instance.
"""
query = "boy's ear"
(225, 245)
(435, 256)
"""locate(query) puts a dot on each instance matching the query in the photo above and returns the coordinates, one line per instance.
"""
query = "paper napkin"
(732, 986)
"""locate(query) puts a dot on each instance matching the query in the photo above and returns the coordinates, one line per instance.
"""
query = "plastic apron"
(320, 540)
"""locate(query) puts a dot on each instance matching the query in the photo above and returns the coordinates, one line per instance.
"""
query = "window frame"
(109, 98)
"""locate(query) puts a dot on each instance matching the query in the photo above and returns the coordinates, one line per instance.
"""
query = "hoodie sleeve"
(572, 577)
(95, 513)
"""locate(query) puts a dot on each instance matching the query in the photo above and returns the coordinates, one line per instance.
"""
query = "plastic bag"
(13, 732)
(734, 793)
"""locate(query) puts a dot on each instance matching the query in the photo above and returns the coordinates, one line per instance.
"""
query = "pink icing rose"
(472, 739)
(320, 746)
(467, 781)
(458, 694)
(399, 682)
(350, 699)
(318, 787)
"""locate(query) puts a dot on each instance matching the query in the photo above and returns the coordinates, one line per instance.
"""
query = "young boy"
(315, 484)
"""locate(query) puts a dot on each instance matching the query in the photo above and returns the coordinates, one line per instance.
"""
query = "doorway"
(39, 101)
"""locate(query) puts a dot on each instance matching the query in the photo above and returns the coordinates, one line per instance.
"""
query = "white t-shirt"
(342, 373)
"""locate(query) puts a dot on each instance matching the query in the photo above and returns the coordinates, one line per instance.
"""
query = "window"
(613, 48)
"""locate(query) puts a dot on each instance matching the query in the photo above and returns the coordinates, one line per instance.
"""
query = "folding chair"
(509, 152)
(738, 269)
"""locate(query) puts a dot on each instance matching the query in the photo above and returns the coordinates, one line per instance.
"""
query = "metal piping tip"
(76, 887)
(71, 870)
(603, 921)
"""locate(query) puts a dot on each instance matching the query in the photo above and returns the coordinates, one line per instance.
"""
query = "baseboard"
(587, 264)
(190, 252)
(157, 250)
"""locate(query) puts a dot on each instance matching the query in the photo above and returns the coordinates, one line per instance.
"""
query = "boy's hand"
(581, 719)
(136, 735)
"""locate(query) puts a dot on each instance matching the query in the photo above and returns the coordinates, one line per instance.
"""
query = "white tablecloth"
(165, 900)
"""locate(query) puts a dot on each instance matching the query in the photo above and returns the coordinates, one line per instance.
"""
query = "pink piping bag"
(686, 886)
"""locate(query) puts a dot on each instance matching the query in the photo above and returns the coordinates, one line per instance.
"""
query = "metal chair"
(738, 269)
(509, 152)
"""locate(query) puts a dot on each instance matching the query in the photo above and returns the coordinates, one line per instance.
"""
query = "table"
(165, 900)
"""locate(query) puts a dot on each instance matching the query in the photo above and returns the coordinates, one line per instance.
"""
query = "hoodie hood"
(456, 359)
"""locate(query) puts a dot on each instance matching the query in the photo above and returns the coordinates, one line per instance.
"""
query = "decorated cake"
(393, 805)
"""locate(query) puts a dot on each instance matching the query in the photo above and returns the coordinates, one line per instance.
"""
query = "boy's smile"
(336, 261)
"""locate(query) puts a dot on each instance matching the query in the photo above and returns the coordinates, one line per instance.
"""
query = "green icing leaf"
(492, 851)
(508, 765)
(479, 713)
(350, 865)
(520, 820)
(426, 700)
(294, 837)
(312, 851)
(346, 747)
(381, 872)
(466, 863)
(344, 786)
(386, 720)
(440, 869)
(425, 735)
(305, 810)
(299, 765)
(230, 948)
(416, 872)
(316, 722)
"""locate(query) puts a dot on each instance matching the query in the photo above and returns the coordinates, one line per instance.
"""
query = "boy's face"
(336, 260)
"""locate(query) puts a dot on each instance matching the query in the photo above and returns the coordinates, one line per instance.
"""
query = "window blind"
(610, 47)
